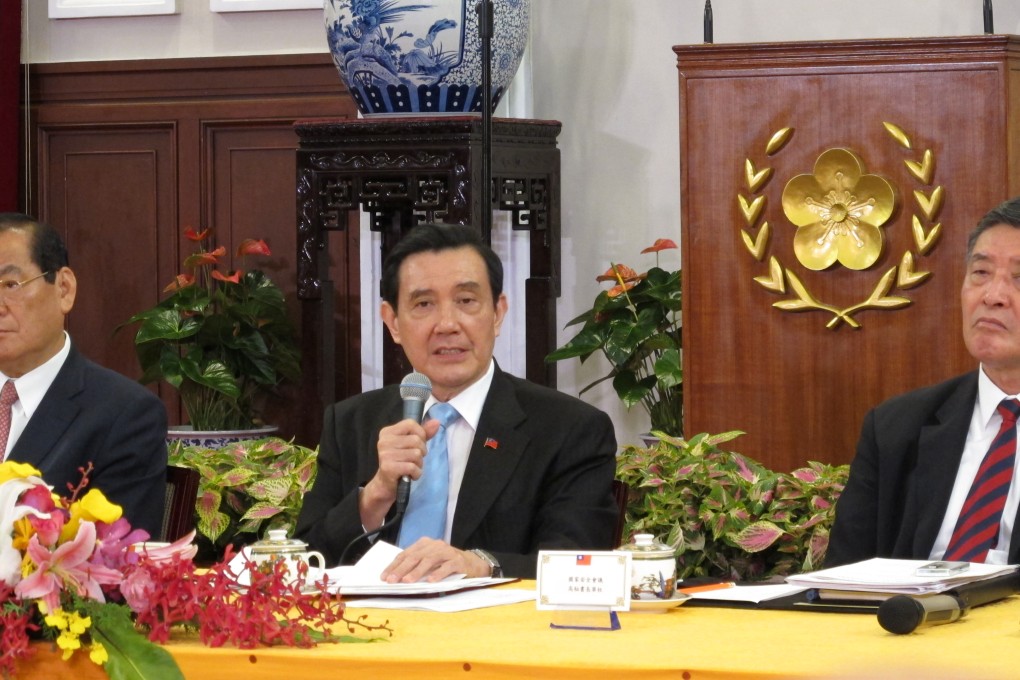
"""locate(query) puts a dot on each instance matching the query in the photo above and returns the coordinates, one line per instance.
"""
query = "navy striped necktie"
(977, 529)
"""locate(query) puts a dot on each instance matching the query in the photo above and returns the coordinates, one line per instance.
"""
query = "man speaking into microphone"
(499, 467)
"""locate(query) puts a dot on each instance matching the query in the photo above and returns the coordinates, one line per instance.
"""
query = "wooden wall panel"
(799, 389)
(251, 184)
(129, 153)
(110, 189)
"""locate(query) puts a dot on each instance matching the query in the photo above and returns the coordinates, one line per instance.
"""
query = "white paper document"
(363, 578)
(883, 575)
(756, 594)
(454, 602)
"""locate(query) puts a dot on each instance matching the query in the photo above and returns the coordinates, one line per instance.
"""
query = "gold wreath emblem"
(839, 211)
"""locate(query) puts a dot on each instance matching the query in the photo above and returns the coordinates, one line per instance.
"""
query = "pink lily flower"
(163, 552)
(67, 566)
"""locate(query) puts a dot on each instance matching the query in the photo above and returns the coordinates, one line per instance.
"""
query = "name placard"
(584, 580)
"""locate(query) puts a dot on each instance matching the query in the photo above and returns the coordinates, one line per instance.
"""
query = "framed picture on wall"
(77, 9)
(261, 5)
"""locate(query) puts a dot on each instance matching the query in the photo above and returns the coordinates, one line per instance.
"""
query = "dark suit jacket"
(91, 413)
(547, 484)
(903, 474)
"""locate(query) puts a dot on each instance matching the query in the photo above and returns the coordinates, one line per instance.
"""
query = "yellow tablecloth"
(687, 642)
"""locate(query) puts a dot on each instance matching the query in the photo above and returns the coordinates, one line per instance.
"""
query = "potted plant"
(726, 514)
(246, 488)
(222, 339)
(636, 325)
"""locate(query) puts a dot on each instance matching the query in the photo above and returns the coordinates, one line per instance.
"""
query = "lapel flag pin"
(491, 443)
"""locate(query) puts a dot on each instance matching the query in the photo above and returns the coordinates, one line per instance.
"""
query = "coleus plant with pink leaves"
(725, 514)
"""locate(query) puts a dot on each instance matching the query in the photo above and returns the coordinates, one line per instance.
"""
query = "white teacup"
(653, 569)
(292, 552)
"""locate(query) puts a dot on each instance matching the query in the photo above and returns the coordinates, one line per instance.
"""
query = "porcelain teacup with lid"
(291, 551)
(653, 569)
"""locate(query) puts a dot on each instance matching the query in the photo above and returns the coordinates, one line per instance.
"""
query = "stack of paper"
(363, 578)
(894, 577)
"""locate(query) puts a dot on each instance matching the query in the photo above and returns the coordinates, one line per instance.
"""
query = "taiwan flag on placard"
(584, 560)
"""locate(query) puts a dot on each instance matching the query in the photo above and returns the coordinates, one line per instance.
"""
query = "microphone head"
(901, 614)
(415, 386)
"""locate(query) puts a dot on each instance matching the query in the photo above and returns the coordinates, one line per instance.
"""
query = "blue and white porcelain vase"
(422, 58)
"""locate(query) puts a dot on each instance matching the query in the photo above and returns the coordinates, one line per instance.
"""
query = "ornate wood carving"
(408, 171)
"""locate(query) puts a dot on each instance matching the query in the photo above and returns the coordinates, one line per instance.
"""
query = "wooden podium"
(939, 121)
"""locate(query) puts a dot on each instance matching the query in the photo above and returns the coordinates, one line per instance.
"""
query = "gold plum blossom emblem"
(841, 208)
(838, 211)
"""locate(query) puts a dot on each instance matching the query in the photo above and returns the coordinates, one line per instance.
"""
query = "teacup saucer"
(658, 605)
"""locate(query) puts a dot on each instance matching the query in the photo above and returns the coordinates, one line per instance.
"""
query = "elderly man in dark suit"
(529, 467)
(910, 492)
(63, 411)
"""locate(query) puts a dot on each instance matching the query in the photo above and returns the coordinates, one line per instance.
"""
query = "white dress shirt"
(32, 387)
(460, 434)
(984, 425)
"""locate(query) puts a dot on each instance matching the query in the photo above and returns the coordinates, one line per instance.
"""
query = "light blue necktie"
(426, 509)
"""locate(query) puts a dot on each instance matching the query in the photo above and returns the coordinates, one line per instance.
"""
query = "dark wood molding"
(127, 153)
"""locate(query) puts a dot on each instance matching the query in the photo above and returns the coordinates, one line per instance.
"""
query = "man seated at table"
(528, 467)
(934, 469)
(58, 410)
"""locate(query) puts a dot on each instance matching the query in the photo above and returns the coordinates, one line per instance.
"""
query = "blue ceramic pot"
(216, 439)
(415, 58)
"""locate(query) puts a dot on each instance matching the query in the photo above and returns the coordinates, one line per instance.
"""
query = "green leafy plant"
(636, 325)
(222, 340)
(247, 488)
(726, 514)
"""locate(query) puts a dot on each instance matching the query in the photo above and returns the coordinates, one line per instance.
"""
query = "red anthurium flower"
(233, 278)
(190, 234)
(660, 244)
(620, 272)
(250, 246)
(182, 281)
(199, 259)
(619, 289)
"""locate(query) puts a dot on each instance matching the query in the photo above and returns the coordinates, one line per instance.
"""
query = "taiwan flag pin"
(491, 443)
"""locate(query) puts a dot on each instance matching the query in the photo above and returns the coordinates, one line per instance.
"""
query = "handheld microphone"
(904, 614)
(415, 389)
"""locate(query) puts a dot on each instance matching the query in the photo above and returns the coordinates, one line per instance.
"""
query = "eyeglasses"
(12, 290)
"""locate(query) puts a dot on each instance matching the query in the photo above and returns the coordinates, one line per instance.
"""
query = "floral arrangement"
(247, 487)
(726, 514)
(636, 325)
(222, 339)
(73, 571)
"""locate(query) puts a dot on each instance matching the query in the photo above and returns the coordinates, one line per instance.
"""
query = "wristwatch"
(495, 571)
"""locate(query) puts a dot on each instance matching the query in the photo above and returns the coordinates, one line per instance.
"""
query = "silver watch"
(495, 571)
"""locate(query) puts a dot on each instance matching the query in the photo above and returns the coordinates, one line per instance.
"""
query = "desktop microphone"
(905, 613)
(415, 389)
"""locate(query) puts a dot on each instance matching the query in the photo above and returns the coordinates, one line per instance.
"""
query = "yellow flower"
(21, 534)
(98, 654)
(13, 470)
(55, 619)
(92, 507)
(838, 210)
(68, 642)
(71, 625)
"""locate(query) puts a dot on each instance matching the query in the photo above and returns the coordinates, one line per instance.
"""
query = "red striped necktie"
(8, 395)
(977, 529)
